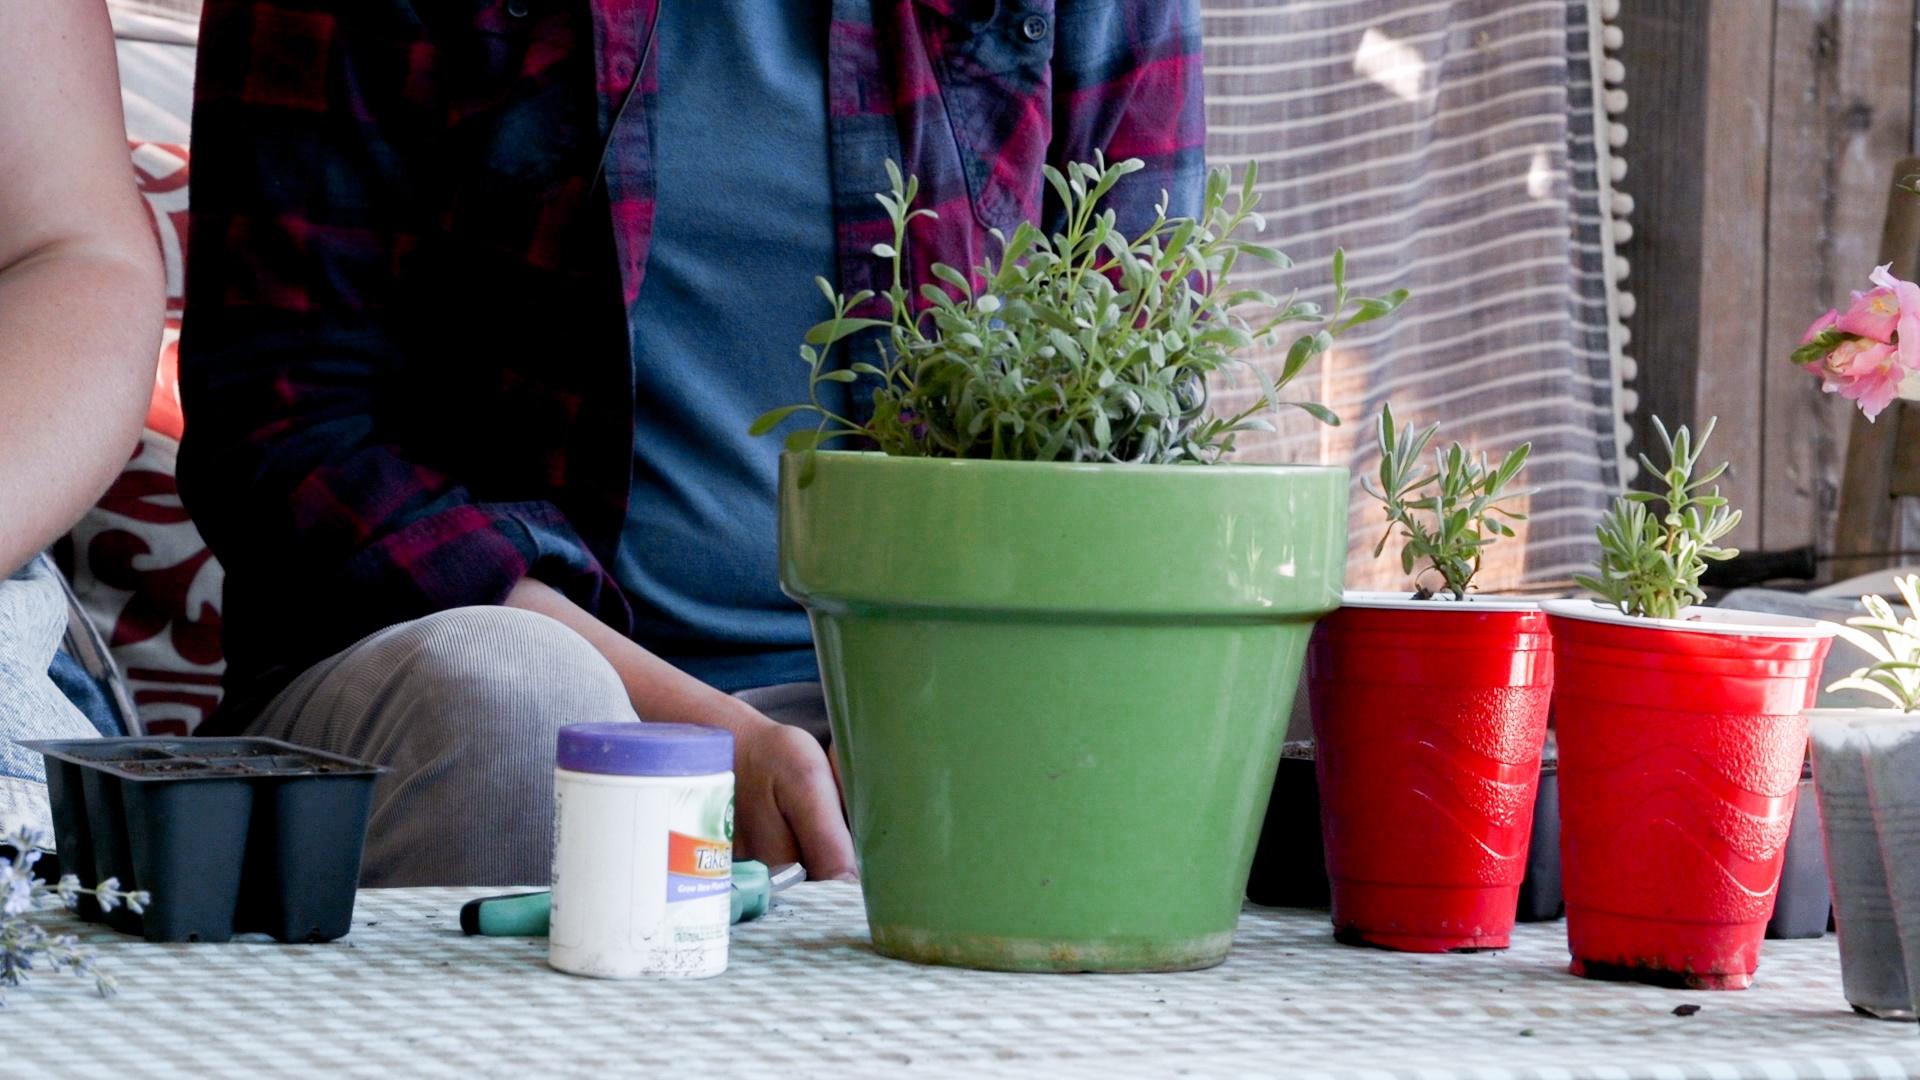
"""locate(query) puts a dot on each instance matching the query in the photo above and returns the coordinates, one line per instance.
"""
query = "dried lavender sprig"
(23, 942)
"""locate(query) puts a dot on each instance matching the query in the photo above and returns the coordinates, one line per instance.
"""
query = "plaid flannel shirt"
(406, 363)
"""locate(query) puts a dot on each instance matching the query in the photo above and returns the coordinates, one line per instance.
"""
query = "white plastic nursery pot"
(1873, 966)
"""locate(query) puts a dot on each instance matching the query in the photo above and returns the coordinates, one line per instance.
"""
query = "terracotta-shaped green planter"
(1059, 692)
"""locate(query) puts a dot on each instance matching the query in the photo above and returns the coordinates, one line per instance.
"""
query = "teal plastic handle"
(519, 915)
(528, 914)
(752, 890)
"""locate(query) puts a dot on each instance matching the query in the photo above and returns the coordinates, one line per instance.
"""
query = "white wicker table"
(406, 995)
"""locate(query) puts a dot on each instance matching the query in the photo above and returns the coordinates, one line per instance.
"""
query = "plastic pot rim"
(1855, 715)
(1400, 601)
(1123, 468)
(1722, 622)
(72, 752)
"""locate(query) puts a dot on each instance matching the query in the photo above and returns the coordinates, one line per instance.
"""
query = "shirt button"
(1034, 27)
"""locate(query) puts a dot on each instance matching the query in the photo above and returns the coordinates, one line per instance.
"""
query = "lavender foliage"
(25, 945)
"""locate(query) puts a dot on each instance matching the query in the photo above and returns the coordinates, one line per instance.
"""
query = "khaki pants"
(464, 707)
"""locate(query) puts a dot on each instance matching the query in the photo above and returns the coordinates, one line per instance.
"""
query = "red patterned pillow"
(140, 567)
(161, 169)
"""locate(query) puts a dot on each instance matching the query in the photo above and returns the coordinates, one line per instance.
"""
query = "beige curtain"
(1457, 148)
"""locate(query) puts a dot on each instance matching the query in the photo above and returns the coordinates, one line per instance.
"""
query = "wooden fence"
(1764, 137)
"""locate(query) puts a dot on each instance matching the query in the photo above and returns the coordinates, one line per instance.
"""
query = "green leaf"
(829, 333)
(840, 376)
(1304, 349)
(1368, 310)
(771, 419)
(1317, 411)
(1818, 348)
(1266, 255)
(953, 277)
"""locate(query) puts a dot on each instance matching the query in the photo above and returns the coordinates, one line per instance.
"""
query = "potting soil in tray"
(226, 835)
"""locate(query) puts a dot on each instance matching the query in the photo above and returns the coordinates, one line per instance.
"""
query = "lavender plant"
(1650, 563)
(1895, 673)
(24, 944)
(1086, 345)
(1448, 516)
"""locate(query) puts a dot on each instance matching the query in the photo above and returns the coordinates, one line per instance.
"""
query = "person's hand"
(787, 802)
(786, 805)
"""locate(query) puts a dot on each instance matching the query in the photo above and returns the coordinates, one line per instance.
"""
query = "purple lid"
(636, 749)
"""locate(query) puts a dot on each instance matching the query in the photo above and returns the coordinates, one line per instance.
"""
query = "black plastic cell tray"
(227, 835)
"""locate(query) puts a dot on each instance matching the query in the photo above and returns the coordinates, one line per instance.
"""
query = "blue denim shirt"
(743, 223)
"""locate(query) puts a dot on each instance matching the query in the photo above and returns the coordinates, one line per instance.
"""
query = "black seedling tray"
(1290, 862)
(227, 835)
(1540, 895)
(1802, 908)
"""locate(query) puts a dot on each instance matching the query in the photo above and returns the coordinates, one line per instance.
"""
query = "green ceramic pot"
(1059, 692)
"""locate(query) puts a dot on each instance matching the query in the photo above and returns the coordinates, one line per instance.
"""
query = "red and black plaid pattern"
(407, 365)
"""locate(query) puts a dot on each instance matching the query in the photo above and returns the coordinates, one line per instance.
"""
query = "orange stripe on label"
(696, 856)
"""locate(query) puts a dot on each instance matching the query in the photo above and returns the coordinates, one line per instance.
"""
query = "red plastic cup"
(1429, 717)
(1680, 750)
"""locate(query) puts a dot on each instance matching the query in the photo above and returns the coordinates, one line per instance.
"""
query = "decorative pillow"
(140, 567)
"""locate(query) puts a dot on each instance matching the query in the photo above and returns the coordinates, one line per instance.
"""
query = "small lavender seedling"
(1447, 516)
(1895, 672)
(1651, 562)
(24, 944)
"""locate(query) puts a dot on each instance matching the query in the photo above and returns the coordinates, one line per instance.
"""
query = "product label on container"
(700, 846)
(697, 867)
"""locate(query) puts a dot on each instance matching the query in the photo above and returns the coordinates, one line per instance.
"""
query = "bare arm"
(81, 290)
(787, 799)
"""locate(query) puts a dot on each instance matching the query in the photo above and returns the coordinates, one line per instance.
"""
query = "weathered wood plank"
(1726, 370)
(1842, 106)
(1667, 61)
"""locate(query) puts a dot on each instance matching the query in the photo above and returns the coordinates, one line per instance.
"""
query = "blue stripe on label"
(684, 887)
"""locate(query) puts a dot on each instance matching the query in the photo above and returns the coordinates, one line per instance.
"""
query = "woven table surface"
(407, 995)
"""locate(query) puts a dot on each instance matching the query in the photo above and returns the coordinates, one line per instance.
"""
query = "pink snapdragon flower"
(1820, 326)
(1907, 326)
(1863, 371)
(1873, 315)
(1870, 349)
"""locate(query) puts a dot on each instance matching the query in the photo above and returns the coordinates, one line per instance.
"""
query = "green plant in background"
(1651, 562)
(1895, 672)
(1446, 516)
(1086, 345)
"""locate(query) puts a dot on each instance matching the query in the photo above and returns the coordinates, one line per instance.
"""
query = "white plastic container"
(643, 851)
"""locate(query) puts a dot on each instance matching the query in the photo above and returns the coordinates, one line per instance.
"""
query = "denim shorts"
(56, 682)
